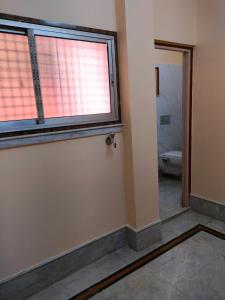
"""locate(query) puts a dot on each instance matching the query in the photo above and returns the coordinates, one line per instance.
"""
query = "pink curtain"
(17, 100)
(74, 77)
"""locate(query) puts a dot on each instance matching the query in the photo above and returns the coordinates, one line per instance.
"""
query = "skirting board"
(141, 239)
(208, 208)
(42, 277)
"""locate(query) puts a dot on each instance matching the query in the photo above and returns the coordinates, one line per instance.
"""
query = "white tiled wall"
(170, 103)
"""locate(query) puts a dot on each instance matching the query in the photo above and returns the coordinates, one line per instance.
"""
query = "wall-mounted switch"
(165, 119)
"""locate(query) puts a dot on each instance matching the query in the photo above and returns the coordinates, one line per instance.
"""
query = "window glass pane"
(17, 100)
(74, 77)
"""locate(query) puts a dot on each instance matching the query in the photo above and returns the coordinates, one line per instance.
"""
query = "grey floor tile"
(82, 279)
(49, 294)
(183, 222)
(128, 255)
(192, 270)
(170, 191)
(138, 287)
(92, 273)
(217, 225)
(161, 270)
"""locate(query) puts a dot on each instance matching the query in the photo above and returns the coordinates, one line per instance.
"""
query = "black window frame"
(35, 27)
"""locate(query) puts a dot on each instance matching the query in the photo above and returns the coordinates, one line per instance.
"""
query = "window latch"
(110, 140)
(112, 79)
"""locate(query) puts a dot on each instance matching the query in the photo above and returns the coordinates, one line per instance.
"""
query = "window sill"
(41, 138)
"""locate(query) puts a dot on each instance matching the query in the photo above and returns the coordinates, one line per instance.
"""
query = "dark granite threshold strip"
(103, 284)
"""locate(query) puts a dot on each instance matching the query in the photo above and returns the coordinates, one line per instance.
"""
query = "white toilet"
(171, 163)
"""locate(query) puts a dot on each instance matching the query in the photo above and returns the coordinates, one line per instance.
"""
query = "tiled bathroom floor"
(110, 263)
(170, 191)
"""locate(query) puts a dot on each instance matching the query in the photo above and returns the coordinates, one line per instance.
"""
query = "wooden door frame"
(187, 51)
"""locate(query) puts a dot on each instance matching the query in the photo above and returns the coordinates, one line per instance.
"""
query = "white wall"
(76, 12)
(169, 102)
(59, 195)
(176, 20)
(168, 57)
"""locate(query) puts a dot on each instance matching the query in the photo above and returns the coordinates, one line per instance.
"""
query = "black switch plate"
(165, 120)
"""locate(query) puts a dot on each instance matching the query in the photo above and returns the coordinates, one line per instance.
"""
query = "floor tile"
(170, 191)
(191, 270)
(109, 264)
(217, 225)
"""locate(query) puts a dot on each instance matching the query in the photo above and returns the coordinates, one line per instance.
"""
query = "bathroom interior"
(169, 95)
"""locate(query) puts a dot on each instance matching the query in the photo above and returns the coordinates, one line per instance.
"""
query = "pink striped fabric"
(74, 77)
(17, 99)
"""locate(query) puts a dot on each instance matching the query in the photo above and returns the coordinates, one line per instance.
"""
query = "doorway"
(173, 67)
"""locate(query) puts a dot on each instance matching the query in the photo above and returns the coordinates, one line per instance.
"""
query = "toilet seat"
(171, 162)
(172, 155)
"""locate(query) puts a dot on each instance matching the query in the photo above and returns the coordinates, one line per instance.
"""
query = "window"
(74, 77)
(17, 99)
(55, 78)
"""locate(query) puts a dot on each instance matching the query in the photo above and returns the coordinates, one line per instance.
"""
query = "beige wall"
(176, 20)
(56, 196)
(59, 195)
(168, 57)
(208, 159)
(136, 58)
(77, 12)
